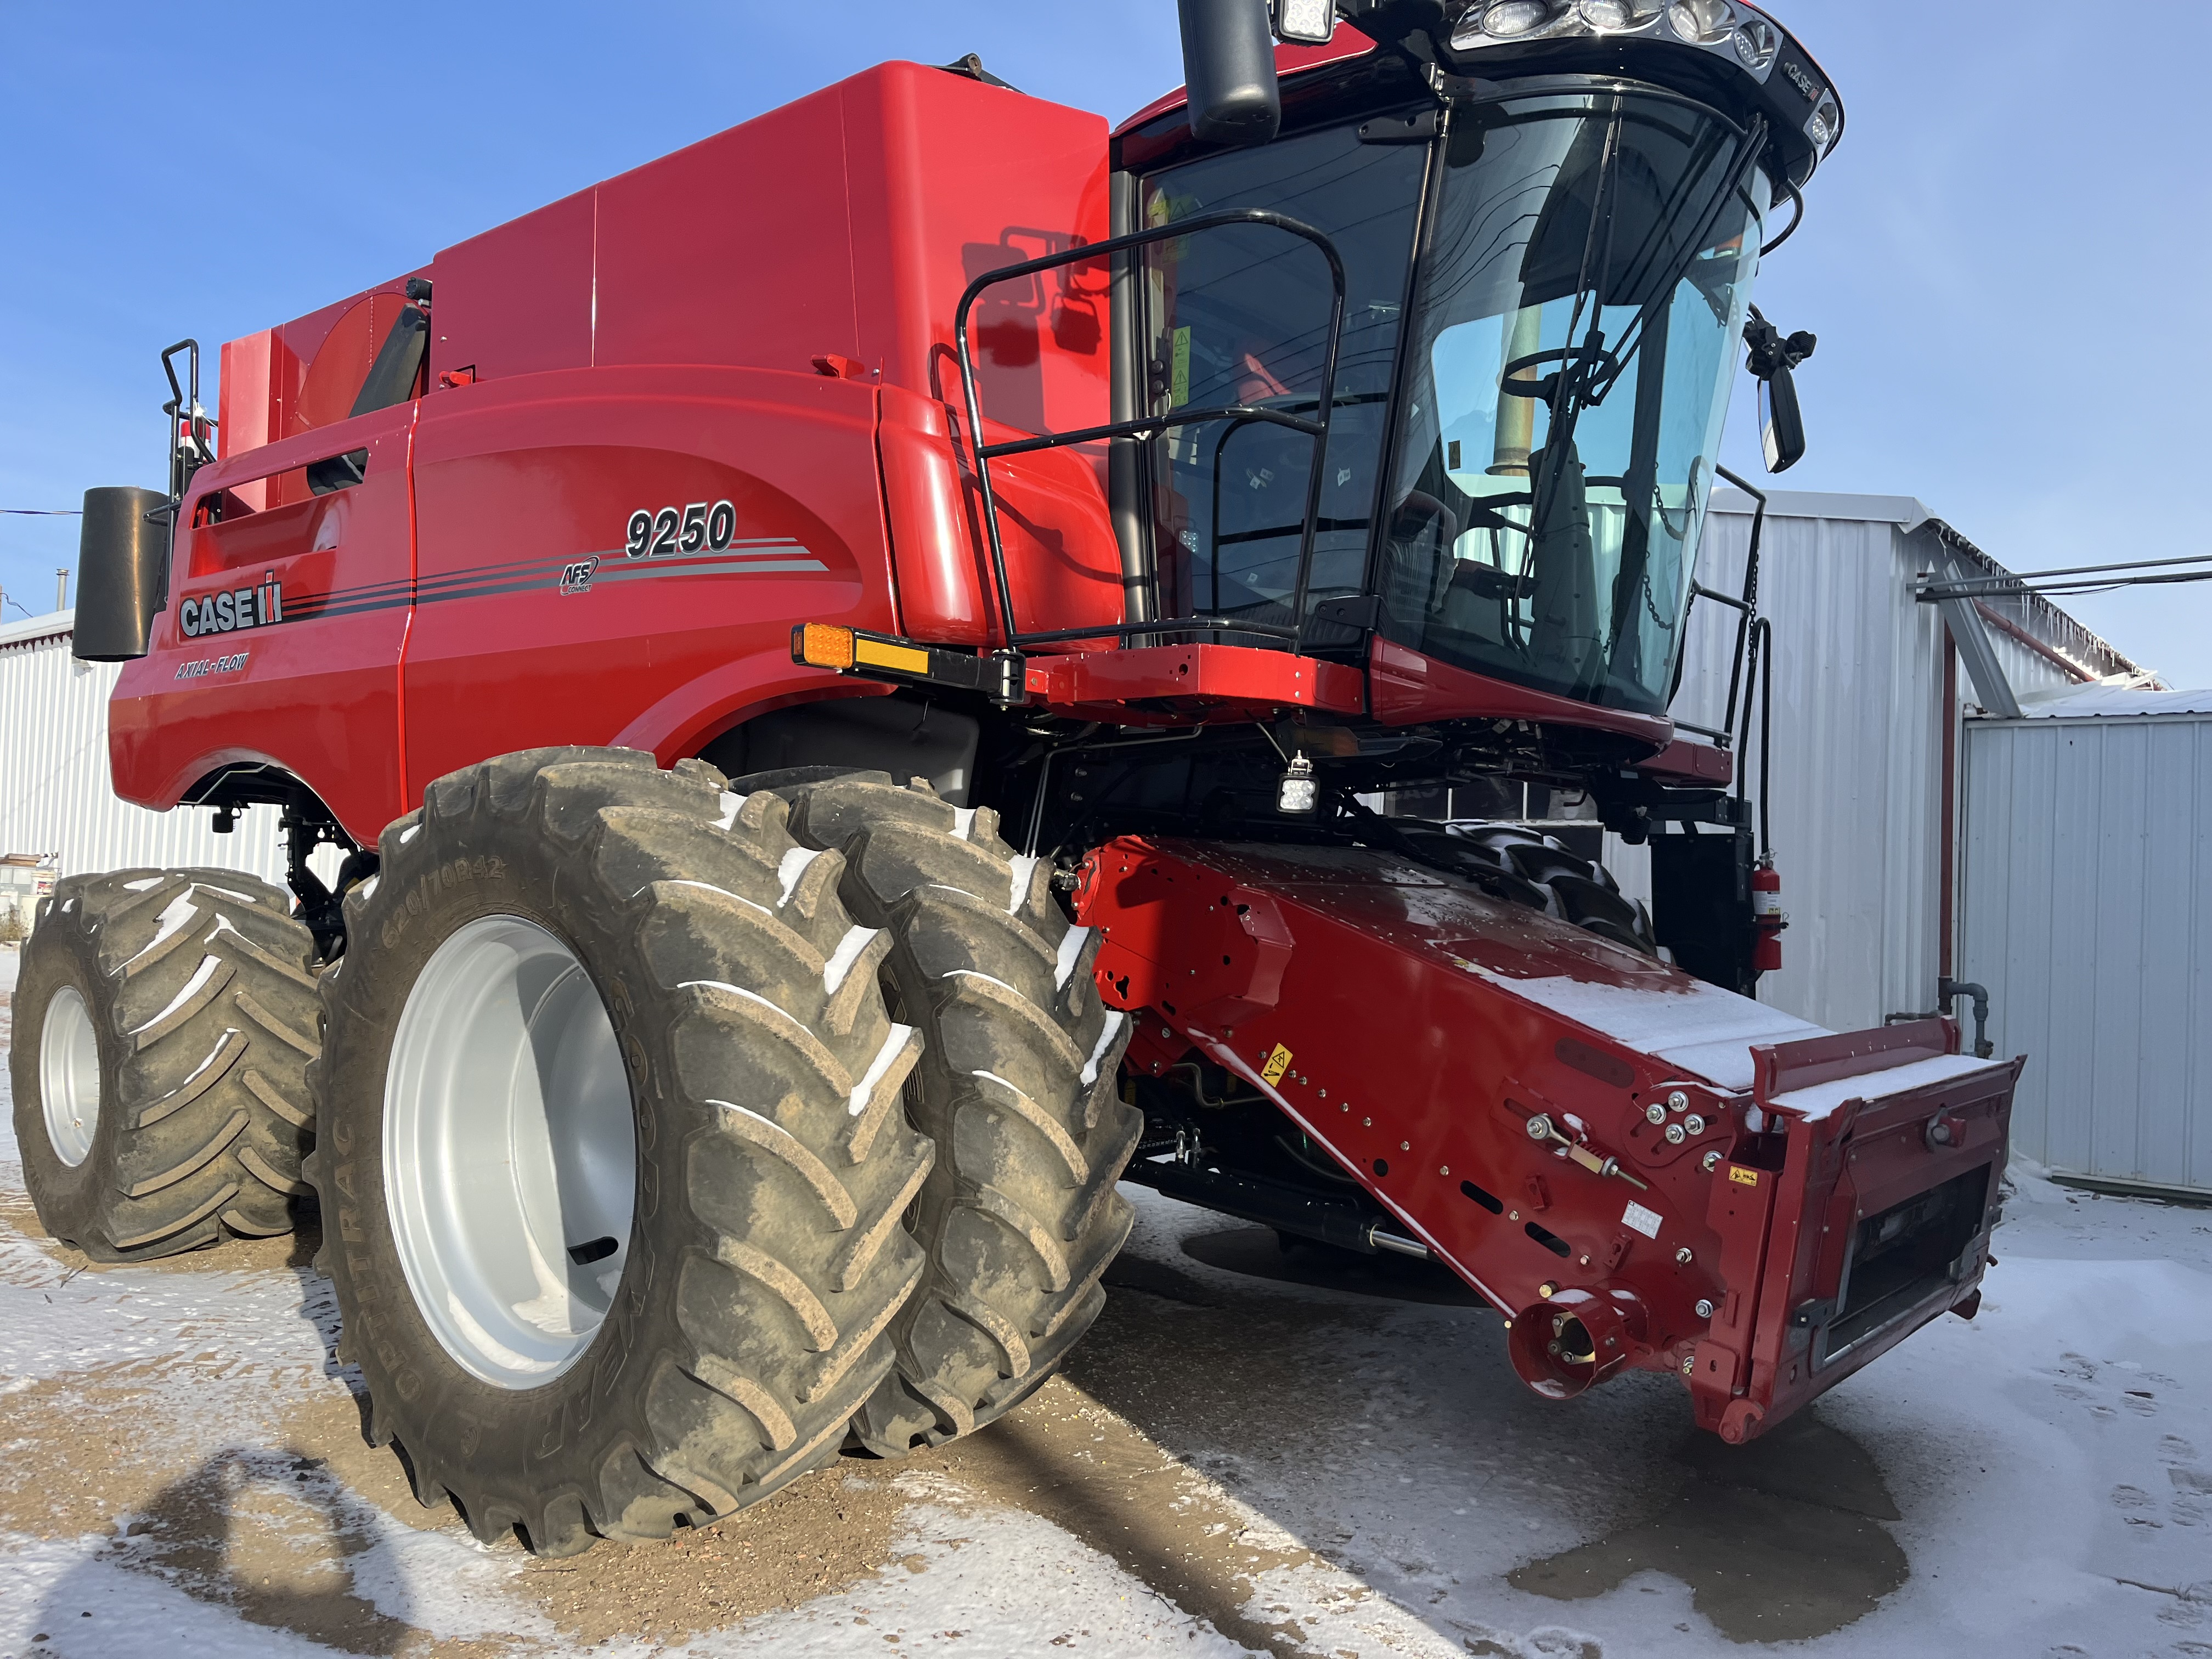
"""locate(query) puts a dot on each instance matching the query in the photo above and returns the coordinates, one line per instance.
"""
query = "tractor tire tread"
(755, 1343)
(1017, 1086)
(184, 972)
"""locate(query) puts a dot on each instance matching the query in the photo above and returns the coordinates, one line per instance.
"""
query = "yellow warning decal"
(880, 653)
(1277, 1063)
(1748, 1178)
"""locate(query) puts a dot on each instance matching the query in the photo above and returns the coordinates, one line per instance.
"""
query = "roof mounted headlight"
(1620, 16)
(1702, 22)
(1827, 121)
(1756, 41)
(1512, 20)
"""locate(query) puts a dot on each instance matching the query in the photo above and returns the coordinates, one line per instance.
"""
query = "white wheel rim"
(510, 1151)
(69, 1076)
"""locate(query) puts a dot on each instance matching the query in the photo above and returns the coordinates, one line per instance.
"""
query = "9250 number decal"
(695, 529)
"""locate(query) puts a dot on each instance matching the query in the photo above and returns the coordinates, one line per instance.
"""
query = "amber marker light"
(823, 645)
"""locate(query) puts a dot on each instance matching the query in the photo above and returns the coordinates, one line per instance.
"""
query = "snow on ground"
(1250, 1453)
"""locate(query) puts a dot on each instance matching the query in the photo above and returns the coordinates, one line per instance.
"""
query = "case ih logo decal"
(232, 609)
(1805, 83)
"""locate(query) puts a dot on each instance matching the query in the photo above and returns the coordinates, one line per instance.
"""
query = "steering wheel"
(1513, 387)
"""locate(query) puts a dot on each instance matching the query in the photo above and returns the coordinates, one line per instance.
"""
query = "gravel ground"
(1252, 1453)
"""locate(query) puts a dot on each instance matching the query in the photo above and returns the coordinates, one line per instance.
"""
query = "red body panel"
(650, 342)
(1408, 688)
(1414, 1027)
(1187, 682)
(316, 692)
(519, 483)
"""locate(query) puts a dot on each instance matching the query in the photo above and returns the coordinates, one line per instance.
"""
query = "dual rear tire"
(676, 1135)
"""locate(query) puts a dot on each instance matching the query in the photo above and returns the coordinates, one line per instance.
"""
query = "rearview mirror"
(1781, 426)
(123, 573)
(1228, 71)
(1771, 358)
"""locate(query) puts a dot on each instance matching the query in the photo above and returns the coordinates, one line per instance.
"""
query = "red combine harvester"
(854, 671)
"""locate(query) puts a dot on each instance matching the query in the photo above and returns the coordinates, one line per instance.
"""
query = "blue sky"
(2003, 261)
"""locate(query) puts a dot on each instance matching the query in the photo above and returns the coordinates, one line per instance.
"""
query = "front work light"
(1509, 18)
(1297, 792)
(1702, 22)
(1305, 22)
(1618, 16)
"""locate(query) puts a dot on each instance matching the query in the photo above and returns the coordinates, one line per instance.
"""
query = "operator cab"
(1548, 217)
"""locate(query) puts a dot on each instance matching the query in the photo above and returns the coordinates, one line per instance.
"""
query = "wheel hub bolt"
(1675, 1136)
(1704, 1308)
(1678, 1102)
(1655, 1113)
(1694, 1124)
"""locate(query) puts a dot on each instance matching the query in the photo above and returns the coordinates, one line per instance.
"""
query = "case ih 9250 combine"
(845, 663)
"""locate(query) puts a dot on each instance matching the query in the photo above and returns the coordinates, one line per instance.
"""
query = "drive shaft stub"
(1574, 1339)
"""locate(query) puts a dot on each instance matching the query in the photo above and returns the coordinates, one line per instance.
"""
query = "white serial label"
(1644, 1221)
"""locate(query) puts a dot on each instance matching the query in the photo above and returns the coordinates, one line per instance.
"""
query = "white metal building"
(1868, 710)
(2087, 870)
(56, 799)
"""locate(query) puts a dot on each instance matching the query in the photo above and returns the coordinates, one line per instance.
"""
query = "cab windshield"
(1579, 307)
(1520, 470)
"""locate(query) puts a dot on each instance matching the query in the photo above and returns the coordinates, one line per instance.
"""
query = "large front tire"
(1018, 1087)
(724, 1307)
(163, 1023)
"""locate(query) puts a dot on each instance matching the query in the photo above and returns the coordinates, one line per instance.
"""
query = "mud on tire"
(1017, 1086)
(766, 1259)
(192, 1002)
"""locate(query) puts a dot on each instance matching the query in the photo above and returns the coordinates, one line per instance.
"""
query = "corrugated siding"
(1857, 755)
(55, 792)
(2087, 885)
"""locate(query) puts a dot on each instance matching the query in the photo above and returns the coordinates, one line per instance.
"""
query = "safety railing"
(1151, 426)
